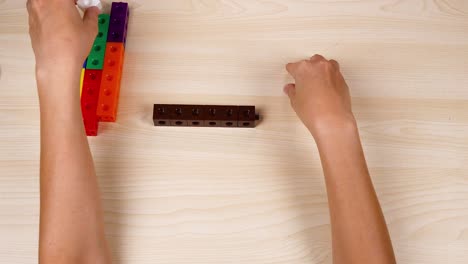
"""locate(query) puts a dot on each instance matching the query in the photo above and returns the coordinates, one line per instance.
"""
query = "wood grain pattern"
(202, 195)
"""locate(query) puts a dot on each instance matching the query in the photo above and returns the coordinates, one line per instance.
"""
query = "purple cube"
(118, 23)
(119, 9)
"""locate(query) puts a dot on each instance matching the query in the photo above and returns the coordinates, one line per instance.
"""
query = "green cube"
(103, 24)
(96, 56)
(98, 51)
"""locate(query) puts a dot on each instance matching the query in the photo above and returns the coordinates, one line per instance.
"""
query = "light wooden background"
(198, 195)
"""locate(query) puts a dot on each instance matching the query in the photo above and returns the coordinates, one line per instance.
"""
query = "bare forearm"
(359, 230)
(71, 224)
(321, 99)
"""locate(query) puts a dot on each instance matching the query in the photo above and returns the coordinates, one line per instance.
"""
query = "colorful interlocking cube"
(102, 71)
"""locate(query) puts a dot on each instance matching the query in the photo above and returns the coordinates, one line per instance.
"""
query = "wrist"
(47, 74)
(333, 127)
(58, 86)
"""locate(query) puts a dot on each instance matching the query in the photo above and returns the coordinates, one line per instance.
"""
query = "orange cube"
(110, 84)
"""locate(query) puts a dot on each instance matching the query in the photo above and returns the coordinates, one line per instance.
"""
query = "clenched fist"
(319, 95)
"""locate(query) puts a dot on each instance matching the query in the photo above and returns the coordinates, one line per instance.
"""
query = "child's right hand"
(320, 95)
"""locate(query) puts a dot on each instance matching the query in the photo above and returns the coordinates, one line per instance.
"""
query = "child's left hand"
(59, 36)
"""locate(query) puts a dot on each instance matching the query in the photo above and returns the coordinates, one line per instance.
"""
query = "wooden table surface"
(208, 195)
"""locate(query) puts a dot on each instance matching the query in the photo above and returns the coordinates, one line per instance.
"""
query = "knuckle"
(327, 65)
(336, 65)
(303, 65)
(318, 57)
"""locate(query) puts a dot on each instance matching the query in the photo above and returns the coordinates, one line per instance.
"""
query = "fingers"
(317, 57)
(293, 68)
(290, 90)
(91, 15)
(320, 58)
(297, 68)
(90, 20)
(335, 64)
(31, 14)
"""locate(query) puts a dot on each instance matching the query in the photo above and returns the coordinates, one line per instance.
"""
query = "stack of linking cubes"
(102, 71)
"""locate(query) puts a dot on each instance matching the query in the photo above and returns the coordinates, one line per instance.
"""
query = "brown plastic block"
(162, 115)
(211, 116)
(229, 116)
(204, 115)
(247, 116)
(221, 116)
(197, 115)
(179, 115)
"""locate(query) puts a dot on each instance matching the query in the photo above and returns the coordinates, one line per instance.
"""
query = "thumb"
(290, 90)
(90, 20)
